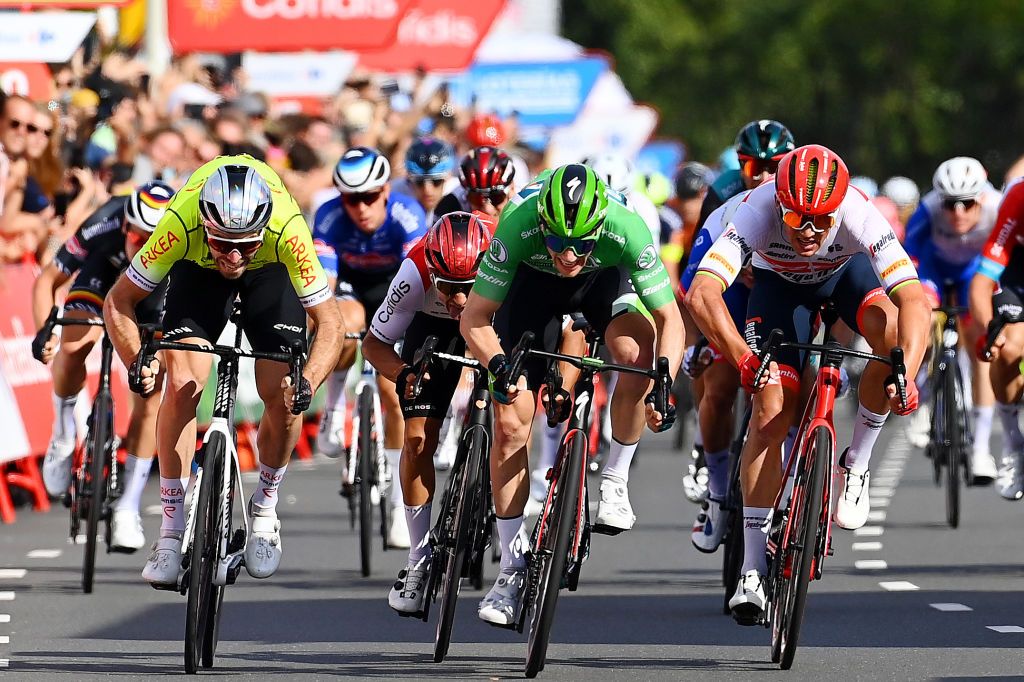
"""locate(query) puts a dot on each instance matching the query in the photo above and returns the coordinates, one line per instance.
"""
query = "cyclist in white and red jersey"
(810, 241)
(426, 298)
(999, 285)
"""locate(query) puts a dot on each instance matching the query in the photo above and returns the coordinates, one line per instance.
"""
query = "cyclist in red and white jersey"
(426, 298)
(998, 286)
(810, 240)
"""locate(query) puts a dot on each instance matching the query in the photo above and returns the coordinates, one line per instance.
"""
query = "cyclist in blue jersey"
(361, 237)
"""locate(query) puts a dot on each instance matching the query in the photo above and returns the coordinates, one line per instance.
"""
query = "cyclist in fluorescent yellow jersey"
(232, 230)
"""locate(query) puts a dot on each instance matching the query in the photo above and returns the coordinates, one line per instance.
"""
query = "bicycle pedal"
(165, 587)
(606, 530)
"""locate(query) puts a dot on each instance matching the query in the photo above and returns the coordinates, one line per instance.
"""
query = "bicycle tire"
(483, 523)
(953, 440)
(732, 561)
(809, 519)
(458, 541)
(203, 556)
(213, 633)
(95, 462)
(367, 464)
(553, 554)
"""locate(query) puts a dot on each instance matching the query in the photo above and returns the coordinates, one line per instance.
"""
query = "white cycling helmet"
(960, 178)
(901, 191)
(147, 204)
(866, 185)
(235, 199)
(615, 169)
(361, 169)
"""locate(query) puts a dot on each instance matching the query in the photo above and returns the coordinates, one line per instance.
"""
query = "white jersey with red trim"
(757, 230)
(410, 292)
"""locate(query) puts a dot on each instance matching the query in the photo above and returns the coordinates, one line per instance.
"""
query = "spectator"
(161, 157)
(21, 225)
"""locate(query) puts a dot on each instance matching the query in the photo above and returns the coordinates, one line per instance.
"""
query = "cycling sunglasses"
(134, 237)
(496, 196)
(752, 167)
(581, 247)
(451, 287)
(356, 198)
(965, 204)
(799, 222)
(422, 181)
(245, 247)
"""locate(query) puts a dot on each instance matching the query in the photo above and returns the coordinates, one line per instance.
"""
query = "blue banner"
(547, 94)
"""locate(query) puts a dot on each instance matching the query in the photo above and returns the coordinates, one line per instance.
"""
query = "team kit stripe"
(83, 296)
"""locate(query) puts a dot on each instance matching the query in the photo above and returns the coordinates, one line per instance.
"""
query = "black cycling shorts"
(777, 303)
(436, 394)
(95, 279)
(536, 302)
(369, 290)
(199, 302)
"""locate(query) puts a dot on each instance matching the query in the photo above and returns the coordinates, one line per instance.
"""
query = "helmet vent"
(833, 176)
(812, 179)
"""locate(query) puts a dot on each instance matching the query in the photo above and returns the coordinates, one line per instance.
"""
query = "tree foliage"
(894, 86)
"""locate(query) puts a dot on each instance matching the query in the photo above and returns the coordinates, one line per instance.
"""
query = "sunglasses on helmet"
(451, 287)
(965, 204)
(356, 198)
(799, 221)
(496, 195)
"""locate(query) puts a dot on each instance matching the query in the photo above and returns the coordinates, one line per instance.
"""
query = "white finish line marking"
(4, 639)
(6, 596)
(44, 554)
(876, 515)
(950, 607)
(869, 531)
(879, 501)
(1005, 629)
(867, 546)
(5, 618)
(12, 573)
(870, 565)
(898, 586)
(4, 662)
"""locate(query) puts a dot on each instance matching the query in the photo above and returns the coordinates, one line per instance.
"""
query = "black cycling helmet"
(764, 139)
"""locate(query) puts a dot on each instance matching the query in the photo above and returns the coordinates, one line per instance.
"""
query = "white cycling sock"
(512, 534)
(136, 473)
(265, 495)
(756, 522)
(172, 499)
(983, 427)
(418, 519)
(619, 457)
(865, 432)
(394, 456)
(1009, 417)
(718, 473)
(552, 438)
(64, 427)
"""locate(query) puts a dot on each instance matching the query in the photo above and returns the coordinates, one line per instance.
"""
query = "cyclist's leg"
(330, 440)
(1008, 386)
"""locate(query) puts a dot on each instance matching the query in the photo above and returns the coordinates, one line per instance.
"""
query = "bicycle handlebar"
(52, 322)
(428, 353)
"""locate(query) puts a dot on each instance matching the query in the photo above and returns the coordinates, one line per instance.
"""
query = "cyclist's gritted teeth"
(567, 261)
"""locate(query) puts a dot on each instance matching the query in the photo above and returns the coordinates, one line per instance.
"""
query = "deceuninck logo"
(210, 13)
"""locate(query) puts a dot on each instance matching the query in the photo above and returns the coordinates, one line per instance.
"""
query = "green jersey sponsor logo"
(647, 258)
(497, 251)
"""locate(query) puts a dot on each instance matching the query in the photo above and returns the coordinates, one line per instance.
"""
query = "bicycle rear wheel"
(95, 462)
(799, 550)
(954, 448)
(458, 538)
(203, 595)
(367, 463)
(556, 527)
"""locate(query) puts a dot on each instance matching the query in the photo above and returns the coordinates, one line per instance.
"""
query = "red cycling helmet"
(486, 168)
(811, 180)
(485, 129)
(455, 246)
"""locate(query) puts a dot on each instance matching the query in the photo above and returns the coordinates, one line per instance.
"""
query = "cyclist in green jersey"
(566, 244)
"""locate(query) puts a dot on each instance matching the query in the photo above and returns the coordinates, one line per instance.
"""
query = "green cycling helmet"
(573, 203)
(764, 139)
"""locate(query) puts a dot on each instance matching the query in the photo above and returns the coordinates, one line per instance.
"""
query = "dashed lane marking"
(949, 607)
(5, 618)
(1005, 629)
(153, 510)
(867, 546)
(4, 663)
(869, 531)
(898, 586)
(876, 515)
(12, 573)
(44, 554)
(4, 639)
(7, 596)
(870, 565)
(879, 501)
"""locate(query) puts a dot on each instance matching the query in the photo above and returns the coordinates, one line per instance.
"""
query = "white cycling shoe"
(57, 467)
(747, 603)
(329, 442)
(709, 528)
(398, 532)
(614, 513)
(501, 605)
(263, 548)
(919, 426)
(853, 505)
(126, 531)
(408, 594)
(164, 563)
(983, 467)
(1010, 481)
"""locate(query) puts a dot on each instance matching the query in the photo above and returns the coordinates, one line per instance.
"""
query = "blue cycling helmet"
(361, 169)
(429, 157)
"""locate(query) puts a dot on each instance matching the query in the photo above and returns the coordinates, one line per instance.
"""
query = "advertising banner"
(43, 36)
(438, 35)
(282, 25)
(298, 73)
(26, 79)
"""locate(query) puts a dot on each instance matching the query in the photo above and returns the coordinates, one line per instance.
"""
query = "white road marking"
(4, 639)
(6, 596)
(950, 607)
(250, 476)
(898, 586)
(12, 573)
(44, 554)
(5, 618)
(869, 531)
(153, 510)
(4, 662)
(867, 546)
(879, 501)
(870, 565)
(1005, 629)
(876, 515)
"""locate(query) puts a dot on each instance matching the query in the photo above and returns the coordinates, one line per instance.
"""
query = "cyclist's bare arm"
(475, 325)
(382, 356)
(669, 325)
(44, 292)
(980, 298)
(119, 316)
(915, 315)
(326, 347)
(705, 302)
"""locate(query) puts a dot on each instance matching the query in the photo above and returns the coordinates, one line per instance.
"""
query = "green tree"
(894, 87)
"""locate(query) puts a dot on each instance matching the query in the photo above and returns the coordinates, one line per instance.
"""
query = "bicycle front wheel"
(952, 404)
(366, 460)
(799, 551)
(203, 595)
(556, 527)
(95, 462)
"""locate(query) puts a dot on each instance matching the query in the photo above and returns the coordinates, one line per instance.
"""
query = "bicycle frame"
(368, 381)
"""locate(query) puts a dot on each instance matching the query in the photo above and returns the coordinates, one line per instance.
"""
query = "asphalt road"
(904, 599)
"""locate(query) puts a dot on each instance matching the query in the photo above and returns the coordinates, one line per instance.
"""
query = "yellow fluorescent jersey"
(180, 236)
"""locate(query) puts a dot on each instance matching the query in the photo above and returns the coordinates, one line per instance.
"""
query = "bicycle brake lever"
(422, 358)
(44, 334)
(899, 374)
(766, 355)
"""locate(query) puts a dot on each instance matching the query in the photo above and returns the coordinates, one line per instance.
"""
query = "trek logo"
(303, 260)
(157, 248)
(887, 238)
(395, 296)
